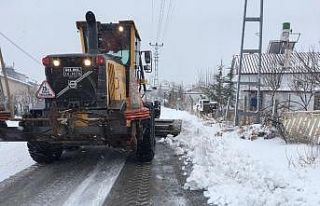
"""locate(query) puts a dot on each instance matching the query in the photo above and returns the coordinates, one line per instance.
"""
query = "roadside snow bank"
(14, 157)
(233, 171)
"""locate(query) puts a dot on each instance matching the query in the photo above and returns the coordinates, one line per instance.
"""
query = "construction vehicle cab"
(94, 97)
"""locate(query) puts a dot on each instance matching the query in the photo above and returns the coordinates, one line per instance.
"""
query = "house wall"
(22, 94)
(285, 95)
(287, 99)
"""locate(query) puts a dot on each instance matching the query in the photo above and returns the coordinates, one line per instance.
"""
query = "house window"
(298, 83)
(316, 105)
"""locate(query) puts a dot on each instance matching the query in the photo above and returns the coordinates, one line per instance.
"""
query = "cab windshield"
(115, 42)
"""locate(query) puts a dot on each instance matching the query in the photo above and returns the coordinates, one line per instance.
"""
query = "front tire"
(146, 146)
(43, 152)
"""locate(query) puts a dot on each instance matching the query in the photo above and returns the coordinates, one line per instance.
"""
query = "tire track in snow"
(96, 187)
(89, 173)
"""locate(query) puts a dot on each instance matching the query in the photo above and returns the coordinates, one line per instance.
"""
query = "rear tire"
(146, 147)
(43, 152)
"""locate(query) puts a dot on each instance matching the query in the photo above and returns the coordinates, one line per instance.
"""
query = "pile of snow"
(12, 123)
(14, 156)
(236, 171)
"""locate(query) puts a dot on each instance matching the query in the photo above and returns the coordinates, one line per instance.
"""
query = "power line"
(161, 14)
(152, 18)
(21, 49)
(165, 12)
(168, 18)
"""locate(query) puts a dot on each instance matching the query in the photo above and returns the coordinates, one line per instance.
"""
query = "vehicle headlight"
(120, 28)
(56, 62)
(87, 62)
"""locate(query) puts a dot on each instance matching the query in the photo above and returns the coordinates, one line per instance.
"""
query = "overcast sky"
(199, 33)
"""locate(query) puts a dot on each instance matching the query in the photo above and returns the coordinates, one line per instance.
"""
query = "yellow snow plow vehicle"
(94, 97)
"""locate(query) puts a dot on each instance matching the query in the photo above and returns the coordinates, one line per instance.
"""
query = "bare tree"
(309, 63)
(272, 80)
(306, 77)
(304, 88)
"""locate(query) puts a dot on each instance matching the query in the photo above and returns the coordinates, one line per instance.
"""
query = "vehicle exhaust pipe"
(92, 34)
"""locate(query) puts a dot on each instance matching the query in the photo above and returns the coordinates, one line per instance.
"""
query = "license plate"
(72, 72)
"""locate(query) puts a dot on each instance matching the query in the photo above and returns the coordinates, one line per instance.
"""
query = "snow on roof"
(20, 81)
(270, 62)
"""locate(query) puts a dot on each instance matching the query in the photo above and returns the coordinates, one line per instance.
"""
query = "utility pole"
(157, 47)
(243, 51)
(2, 96)
(9, 102)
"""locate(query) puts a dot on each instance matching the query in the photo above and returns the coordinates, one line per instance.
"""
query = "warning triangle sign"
(45, 91)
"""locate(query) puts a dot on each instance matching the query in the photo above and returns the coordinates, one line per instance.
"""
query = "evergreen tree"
(209, 91)
(215, 91)
(229, 87)
(222, 90)
(218, 94)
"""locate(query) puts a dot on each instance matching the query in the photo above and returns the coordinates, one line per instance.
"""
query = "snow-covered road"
(93, 176)
(233, 171)
(91, 181)
(83, 177)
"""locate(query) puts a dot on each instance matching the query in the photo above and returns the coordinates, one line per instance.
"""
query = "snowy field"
(14, 156)
(235, 171)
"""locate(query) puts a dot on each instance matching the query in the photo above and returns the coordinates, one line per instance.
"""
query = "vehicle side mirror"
(148, 57)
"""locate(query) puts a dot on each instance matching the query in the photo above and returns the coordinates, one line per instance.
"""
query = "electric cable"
(20, 48)
(161, 14)
(168, 18)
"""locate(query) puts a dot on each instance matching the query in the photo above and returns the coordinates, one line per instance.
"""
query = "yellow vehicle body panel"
(116, 81)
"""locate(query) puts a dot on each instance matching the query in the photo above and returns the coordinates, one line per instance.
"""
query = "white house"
(22, 91)
(291, 77)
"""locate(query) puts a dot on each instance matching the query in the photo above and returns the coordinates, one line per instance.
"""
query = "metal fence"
(303, 126)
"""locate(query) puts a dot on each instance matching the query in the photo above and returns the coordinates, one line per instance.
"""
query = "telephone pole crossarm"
(157, 47)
